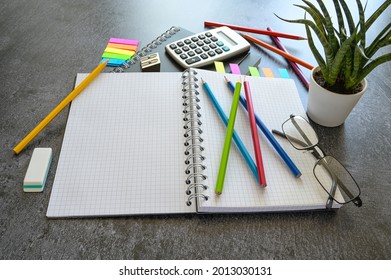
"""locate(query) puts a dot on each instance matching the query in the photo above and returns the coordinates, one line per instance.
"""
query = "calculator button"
(205, 48)
(193, 60)
(214, 39)
(200, 43)
(207, 41)
(212, 46)
(173, 46)
(211, 53)
(204, 56)
(185, 49)
(194, 39)
(220, 44)
(191, 53)
(201, 36)
(183, 56)
(198, 51)
(178, 51)
(187, 41)
(180, 44)
(208, 34)
(193, 46)
(218, 51)
(225, 48)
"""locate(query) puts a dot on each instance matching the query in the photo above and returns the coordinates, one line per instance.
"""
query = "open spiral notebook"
(130, 137)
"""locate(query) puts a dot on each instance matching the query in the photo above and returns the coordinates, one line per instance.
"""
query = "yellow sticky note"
(219, 67)
(268, 72)
(119, 51)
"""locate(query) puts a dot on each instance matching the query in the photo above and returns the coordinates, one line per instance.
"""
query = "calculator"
(204, 48)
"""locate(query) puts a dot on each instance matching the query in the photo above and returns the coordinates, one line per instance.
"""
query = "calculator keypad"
(198, 48)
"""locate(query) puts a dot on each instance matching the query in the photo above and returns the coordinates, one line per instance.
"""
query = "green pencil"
(228, 139)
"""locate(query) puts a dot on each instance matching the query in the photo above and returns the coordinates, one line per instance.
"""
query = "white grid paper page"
(122, 152)
(274, 100)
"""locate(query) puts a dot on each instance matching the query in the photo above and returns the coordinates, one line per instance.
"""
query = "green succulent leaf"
(379, 42)
(377, 13)
(348, 16)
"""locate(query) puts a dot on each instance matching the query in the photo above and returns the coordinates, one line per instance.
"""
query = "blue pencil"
(296, 172)
(235, 136)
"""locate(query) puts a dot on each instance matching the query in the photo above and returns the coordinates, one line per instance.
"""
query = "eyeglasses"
(334, 178)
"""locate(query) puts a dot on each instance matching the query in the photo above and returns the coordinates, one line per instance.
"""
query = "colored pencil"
(237, 140)
(228, 140)
(291, 165)
(254, 30)
(254, 134)
(22, 144)
(278, 51)
(293, 64)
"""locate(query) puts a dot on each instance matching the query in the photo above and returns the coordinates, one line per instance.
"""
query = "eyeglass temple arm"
(297, 141)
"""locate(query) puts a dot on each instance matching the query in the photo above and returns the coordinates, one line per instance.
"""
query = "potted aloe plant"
(339, 80)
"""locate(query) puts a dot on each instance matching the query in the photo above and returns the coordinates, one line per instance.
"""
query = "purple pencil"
(292, 64)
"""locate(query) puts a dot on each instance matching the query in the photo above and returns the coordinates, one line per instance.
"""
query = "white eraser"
(37, 171)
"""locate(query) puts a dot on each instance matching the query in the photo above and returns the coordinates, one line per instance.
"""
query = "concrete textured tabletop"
(43, 44)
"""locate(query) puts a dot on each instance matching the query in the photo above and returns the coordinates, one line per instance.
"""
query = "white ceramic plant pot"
(328, 108)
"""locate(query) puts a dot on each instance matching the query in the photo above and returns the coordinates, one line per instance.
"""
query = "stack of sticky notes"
(119, 51)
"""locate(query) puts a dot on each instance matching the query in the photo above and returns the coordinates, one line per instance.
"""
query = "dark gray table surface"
(43, 44)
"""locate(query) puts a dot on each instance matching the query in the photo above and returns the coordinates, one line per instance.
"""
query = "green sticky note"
(115, 55)
(254, 71)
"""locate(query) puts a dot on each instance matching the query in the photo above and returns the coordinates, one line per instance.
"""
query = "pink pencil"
(254, 133)
(293, 64)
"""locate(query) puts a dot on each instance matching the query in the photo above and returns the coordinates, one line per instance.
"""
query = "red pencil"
(254, 30)
(278, 51)
(254, 133)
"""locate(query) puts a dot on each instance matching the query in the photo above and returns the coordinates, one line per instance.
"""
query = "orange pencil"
(254, 30)
(278, 51)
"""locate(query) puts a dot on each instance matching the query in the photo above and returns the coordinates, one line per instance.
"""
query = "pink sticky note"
(234, 68)
(123, 41)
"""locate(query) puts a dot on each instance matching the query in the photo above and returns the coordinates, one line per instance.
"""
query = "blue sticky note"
(284, 73)
(114, 62)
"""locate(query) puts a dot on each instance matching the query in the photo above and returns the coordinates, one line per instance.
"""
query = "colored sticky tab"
(234, 68)
(123, 41)
(114, 62)
(117, 56)
(219, 67)
(268, 72)
(283, 73)
(254, 71)
(119, 51)
(122, 46)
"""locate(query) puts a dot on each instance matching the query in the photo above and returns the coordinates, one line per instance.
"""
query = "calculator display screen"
(226, 38)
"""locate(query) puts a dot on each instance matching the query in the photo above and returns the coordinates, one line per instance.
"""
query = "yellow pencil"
(22, 144)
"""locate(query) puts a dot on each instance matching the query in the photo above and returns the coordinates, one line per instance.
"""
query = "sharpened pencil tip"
(226, 79)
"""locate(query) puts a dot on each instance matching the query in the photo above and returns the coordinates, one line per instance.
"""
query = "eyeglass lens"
(300, 133)
(336, 180)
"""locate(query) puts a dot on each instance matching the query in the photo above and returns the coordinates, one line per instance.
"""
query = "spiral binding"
(147, 49)
(193, 139)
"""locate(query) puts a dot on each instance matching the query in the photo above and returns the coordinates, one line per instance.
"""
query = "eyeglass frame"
(312, 148)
